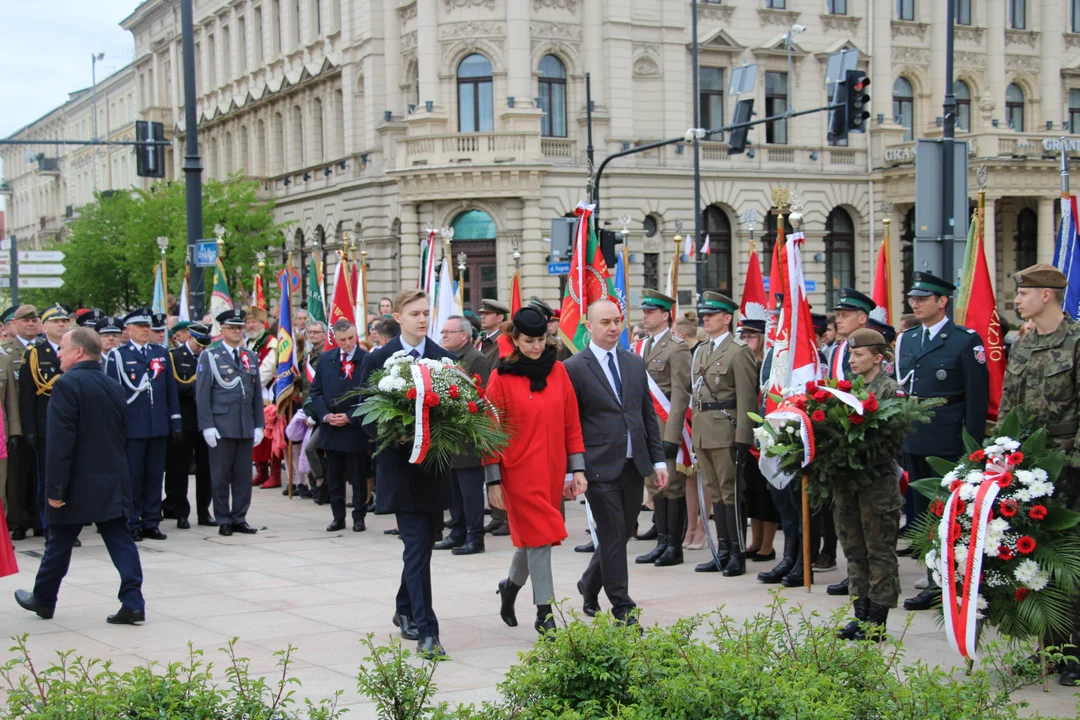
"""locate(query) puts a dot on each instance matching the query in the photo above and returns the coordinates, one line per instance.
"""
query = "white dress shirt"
(409, 348)
(934, 329)
(717, 341)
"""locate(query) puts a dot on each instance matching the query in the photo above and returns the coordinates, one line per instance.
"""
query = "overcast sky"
(46, 48)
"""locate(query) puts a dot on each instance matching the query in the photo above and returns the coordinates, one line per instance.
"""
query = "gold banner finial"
(781, 197)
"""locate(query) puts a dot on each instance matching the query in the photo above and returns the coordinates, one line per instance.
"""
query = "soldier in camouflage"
(1041, 379)
(868, 521)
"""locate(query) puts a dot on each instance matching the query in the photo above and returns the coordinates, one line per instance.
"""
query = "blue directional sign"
(811, 285)
(206, 253)
(558, 268)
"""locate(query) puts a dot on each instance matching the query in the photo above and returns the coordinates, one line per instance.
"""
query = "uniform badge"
(980, 354)
(941, 374)
(246, 361)
(156, 366)
(132, 377)
(889, 367)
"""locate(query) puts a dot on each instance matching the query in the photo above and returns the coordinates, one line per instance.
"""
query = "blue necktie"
(614, 375)
(413, 353)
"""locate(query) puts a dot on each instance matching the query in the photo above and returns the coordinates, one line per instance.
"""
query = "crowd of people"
(608, 425)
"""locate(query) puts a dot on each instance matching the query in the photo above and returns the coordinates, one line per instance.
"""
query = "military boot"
(676, 523)
(795, 578)
(662, 539)
(791, 549)
(874, 629)
(737, 561)
(861, 607)
(723, 549)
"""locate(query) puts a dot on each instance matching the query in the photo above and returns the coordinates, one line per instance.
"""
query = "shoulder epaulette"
(969, 331)
(740, 342)
(677, 339)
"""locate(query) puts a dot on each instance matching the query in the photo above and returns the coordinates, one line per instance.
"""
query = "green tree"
(110, 255)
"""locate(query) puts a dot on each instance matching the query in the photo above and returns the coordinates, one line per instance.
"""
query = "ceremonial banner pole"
(1064, 167)
(363, 286)
(163, 242)
(288, 409)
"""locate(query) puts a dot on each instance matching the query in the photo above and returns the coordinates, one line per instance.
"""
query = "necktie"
(414, 354)
(925, 336)
(614, 370)
(236, 356)
(648, 346)
(145, 350)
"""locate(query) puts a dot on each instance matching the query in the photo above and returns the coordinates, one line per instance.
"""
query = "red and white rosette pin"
(156, 367)
(245, 361)
(421, 376)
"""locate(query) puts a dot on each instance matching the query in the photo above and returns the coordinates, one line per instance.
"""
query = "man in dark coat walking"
(87, 478)
(416, 498)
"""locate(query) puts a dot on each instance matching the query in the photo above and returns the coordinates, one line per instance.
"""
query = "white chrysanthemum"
(447, 362)
(975, 477)
(994, 449)
(960, 554)
(995, 534)
(1040, 489)
(1030, 575)
(386, 384)
(949, 479)
(1040, 474)
(968, 493)
(400, 384)
(1023, 495)
(429, 362)
(991, 549)
(1007, 443)
(936, 574)
(1024, 477)
(932, 559)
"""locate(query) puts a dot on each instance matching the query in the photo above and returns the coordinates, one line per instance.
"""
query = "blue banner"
(285, 382)
(621, 298)
(1067, 256)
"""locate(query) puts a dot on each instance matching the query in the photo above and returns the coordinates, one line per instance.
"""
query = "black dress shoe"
(924, 600)
(758, 557)
(18, 534)
(469, 548)
(708, 567)
(502, 531)
(840, 588)
(1070, 677)
(336, 526)
(359, 525)
(207, 521)
(407, 626)
(586, 548)
(905, 552)
(27, 601)
(305, 492)
(649, 534)
(590, 605)
(127, 617)
(244, 528)
(448, 544)
(391, 531)
(430, 648)
(224, 529)
(494, 523)
(153, 534)
(183, 524)
(77, 543)
(137, 535)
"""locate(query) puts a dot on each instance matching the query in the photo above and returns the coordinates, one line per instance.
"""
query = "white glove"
(211, 435)
(258, 436)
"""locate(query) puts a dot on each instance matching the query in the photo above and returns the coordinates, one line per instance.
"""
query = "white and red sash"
(663, 410)
(836, 361)
(421, 376)
(309, 370)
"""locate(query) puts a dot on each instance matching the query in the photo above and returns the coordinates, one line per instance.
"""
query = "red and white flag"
(795, 354)
(753, 305)
(688, 245)
(341, 304)
(705, 246)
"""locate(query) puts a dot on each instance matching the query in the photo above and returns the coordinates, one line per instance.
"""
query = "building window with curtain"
(837, 7)
(963, 12)
(963, 106)
(776, 102)
(1074, 111)
(903, 103)
(776, 4)
(1014, 108)
(717, 269)
(553, 97)
(839, 254)
(475, 113)
(905, 10)
(711, 100)
(1018, 15)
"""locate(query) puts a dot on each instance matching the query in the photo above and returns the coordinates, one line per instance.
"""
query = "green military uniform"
(868, 521)
(21, 482)
(724, 388)
(1043, 379)
(9, 402)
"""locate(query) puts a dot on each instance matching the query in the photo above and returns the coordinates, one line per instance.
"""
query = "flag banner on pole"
(444, 305)
(963, 292)
(688, 245)
(515, 293)
(587, 282)
(427, 264)
(776, 287)
(979, 313)
(220, 298)
(242, 298)
(1067, 255)
(158, 303)
(360, 307)
(260, 295)
(316, 309)
(795, 353)
(753, 302)
(621, 299)
(882, 283)
(185, 302)
(342, 306)
(285, 383)
(705, 246)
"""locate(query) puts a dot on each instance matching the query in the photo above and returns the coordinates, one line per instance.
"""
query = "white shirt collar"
(25, 343)
(600, 353)
(662, 333)
(717, 341)
(418, 348)
(936, 327)
(137, 346)
(345, 357)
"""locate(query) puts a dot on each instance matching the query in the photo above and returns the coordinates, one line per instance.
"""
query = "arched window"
(963, 106)
(903, 103)
(475, 113)
(839, 254)
(717, 228)
(473, 225)
(1026, 238)
(1014, 108)
(768, 241)
(553, 97)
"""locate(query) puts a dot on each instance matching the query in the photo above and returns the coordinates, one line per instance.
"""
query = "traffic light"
(857, 101)
(838, 124)
(149, 159)
(744, 110)
(608, 240)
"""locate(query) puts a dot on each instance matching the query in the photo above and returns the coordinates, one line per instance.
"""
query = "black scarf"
(536, 370)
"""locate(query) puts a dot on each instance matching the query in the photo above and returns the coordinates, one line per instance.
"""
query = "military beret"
(494, 306)
(851, 299)
(89, 318)
(541, 306)
(232, 316)
(56, 312)
(713, 302)
(25, 311)
(531, 322)
(138, 316)
(865, 337)
(108, 326)
(656, 299)
(924, 285)
(1041, 276)
(181, 325)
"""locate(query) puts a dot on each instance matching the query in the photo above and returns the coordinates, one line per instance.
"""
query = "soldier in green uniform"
(723, 386)
(667, 360)
(22, 480)
(1041, 378)
(868, 521)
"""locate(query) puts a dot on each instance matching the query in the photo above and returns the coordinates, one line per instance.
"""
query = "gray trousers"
(536, 561)
(312, 453)
(230, 472)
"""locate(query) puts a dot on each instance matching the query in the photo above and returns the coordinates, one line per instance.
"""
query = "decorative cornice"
(1024, 63)
(471, 29)
(711, 11)
(970, 59)
(555, 31)
(912, 55)
(785, 18)
(453, 4)
(903, 28)
(570, 5)
(1027, 38)
(846, 24)
(969, 34)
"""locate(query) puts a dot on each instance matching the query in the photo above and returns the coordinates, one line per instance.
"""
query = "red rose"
(431, 399)
(1037, 512)
(977, 456)
(411, 393)
(844, 385)
(1015, 458)
(453, 392)
(1025, 545)
(818, 416)
(1008, 508)
(812, 386)
(472, 407)
(1005, 480)
(956, 531)
(800, 402)
(871, 405)
(1022, 593)
(856, 419)
(961, 506)
(937, 507)
(477, 379)
(821, 396)
(956, 485)
(1005, 553)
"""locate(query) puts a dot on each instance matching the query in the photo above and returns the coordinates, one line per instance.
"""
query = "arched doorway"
(839, 254)
(717, 269)
(474, 235)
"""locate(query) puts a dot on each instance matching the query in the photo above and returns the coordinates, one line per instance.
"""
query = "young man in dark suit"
(416, 498)
(622, 447)
(87, 478)
(340, 435)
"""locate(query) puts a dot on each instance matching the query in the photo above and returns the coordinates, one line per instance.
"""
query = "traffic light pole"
(948, 135)
(192, 162)
(699, 277)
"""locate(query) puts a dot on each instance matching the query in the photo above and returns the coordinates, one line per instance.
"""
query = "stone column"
(409, 252)
(428, 51)
(1047, 236)
(392, 60)
(1050, 57)
(518, 61)
(995, 57)
(881, 78)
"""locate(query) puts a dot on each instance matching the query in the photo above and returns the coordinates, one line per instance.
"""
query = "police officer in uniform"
(158, 325)
(723, 386)
(90, 318)
(939, 359)
(1041, 379)
(110, 331)
(228, 397)
(185, 359)
(145, 372)
(21, 503)
(667, 360)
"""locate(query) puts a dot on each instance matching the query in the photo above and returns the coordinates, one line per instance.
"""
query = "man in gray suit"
(622, 447)
(228, 395)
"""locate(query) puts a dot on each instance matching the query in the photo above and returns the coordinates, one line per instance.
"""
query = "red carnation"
(961, 506)
(856, 419)
(431, 399)
(411, 393)
(472, 407)
(977, 456)
(870, 405)
(811, 386)
(1005, 480)
(1037, 512)
(818, 416)
(937, 507)
(1008, 508)
(956, 531)
(479, 391)
(1015, 458)
(1025, 545)
(821, 396)
(844, 385)
(453, 392)
(956, 485)
(1005, 553)
(477, 379)
(1022, 593)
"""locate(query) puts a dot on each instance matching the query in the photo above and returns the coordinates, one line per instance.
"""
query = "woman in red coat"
(540, 412)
